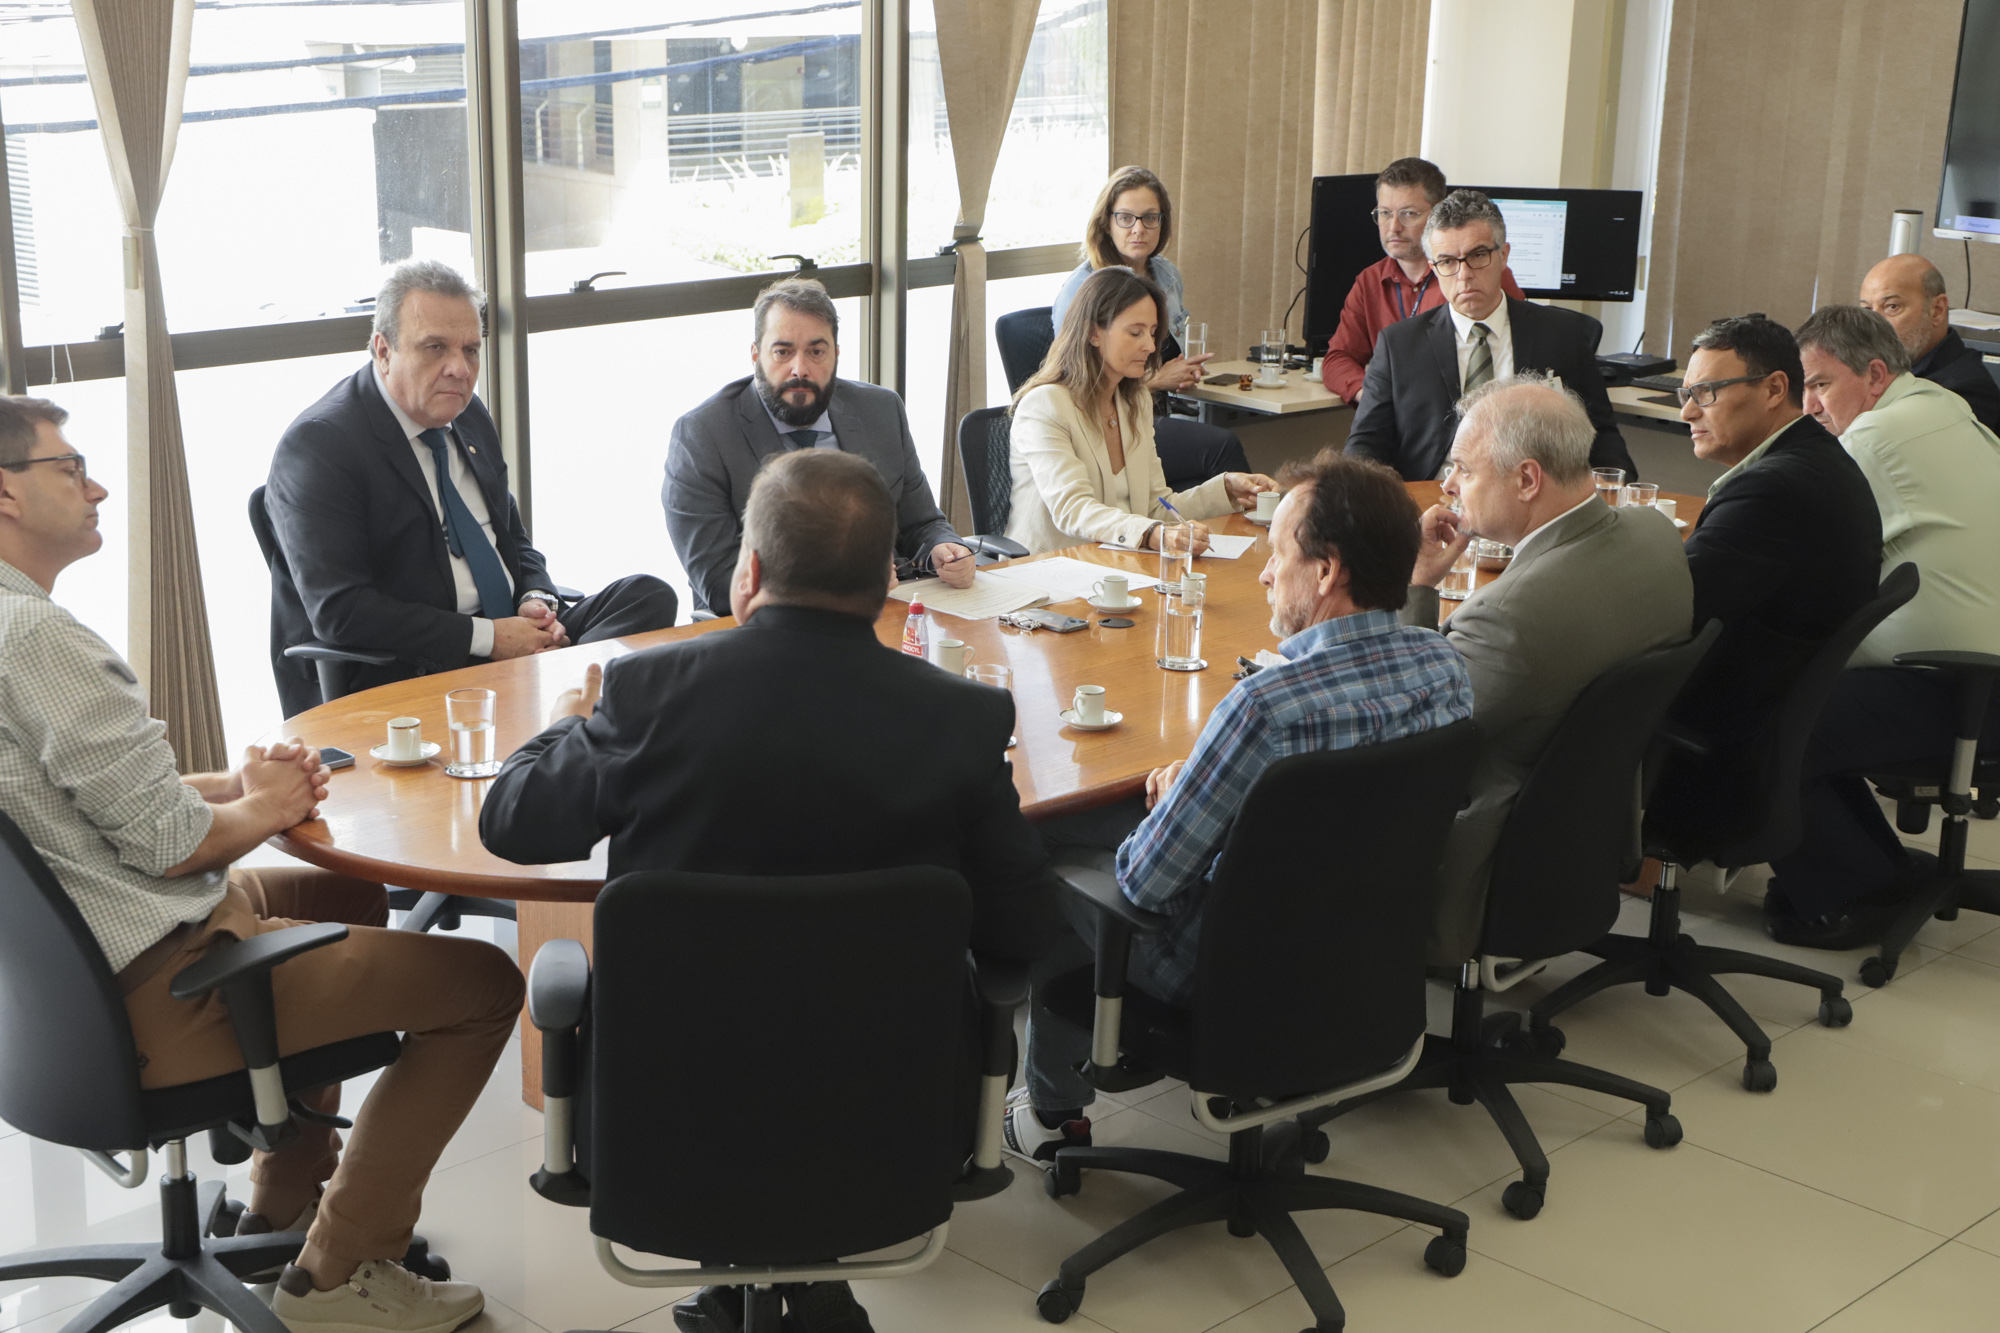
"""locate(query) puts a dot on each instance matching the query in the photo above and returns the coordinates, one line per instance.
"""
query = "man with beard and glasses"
(1343, 545)
(792, 400)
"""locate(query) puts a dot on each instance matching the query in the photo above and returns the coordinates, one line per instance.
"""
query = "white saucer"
(1111, 719)
(1260, 522)
(1129, 604)
(429, 752)
(1284, 381)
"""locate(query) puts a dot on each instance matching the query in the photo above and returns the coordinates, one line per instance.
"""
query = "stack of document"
(996, 591)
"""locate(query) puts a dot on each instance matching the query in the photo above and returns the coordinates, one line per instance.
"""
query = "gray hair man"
(1908, 291)
(1934, 471)
(1588, 587)
(793, 399)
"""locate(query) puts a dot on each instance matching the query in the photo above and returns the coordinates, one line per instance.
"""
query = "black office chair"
(1961, 785)
(1025, 337)
(335, 666)
(1567, 845)
(795, 1010)
(1766, 784)
(69, 1074)
(1331, 846)
(983, 434)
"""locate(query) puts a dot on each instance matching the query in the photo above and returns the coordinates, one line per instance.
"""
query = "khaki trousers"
(455, 1001)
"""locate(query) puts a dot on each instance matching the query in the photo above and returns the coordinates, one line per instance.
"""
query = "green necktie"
(1479, 369)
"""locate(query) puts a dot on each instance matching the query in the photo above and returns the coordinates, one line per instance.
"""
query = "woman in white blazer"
(1081, 447)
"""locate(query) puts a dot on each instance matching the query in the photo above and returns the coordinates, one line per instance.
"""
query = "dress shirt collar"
(1497, 326)
(1340, 629)
(13, 580)
(411, 430)
(824, 423)
(1751, 459)
(811, 620)
(1522, 545)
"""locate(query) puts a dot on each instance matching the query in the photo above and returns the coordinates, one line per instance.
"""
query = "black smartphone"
(335, 757)
(1222, 379)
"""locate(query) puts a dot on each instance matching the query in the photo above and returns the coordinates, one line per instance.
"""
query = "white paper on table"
(1062, 577)
(1221, 545)
(988, 596)
(1266, 658)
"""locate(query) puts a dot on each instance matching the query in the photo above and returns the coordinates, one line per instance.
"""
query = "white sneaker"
(381, 1297)
(1026, 1136)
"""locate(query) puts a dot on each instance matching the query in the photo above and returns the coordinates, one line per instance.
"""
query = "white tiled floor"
(1863, 1194)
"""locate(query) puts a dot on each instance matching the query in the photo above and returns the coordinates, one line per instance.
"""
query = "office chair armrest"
(1117, 921)
(1950, 661)
(325, 652)
(998, 547)
(241, 970)
(558, 992)
(1002, 987)
(1680, 736)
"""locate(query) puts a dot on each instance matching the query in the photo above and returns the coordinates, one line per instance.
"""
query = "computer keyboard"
(1662, 383)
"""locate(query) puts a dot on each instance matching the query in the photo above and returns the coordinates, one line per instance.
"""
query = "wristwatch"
(548, 599)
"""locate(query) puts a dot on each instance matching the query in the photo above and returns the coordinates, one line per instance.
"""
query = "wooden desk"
(1302, 392)
(1635, 402)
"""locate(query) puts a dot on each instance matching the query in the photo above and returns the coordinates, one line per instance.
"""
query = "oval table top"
(416, 828)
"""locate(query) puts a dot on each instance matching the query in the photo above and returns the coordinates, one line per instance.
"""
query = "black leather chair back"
(983, 436)
(1025, 337)
(1569, 840)
(780, 1069)
(1310, 969)
(1770, 778)
(69, 1073)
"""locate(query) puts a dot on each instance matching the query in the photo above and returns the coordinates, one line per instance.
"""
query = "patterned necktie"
(467, 539)
(1479, 368)
(802, 439)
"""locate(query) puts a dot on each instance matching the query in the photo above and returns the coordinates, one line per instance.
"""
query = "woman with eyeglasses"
(1130, 225)
(1081, 448)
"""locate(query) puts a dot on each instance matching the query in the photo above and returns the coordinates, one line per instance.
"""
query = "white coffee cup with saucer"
(1110, 594)
(406, 745)
(1089, 712)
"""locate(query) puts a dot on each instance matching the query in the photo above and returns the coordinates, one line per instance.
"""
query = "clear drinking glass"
(1610, 481)
(1640, 493)
(1000, 678)
(1180, 626)
(1457, 585)
(1196, 342)
(469, 713)
(1176, 552)
(1271, 352)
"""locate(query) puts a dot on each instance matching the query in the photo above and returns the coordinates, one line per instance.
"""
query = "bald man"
(1908, 291)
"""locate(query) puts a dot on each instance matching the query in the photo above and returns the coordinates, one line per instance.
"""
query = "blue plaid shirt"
(1349, 681)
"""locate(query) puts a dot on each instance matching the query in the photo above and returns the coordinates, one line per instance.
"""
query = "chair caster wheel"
(1445, 1256)
(1522, 1199)
(1986, 807)
(422, 1260)
(1663, 1130)
(1835, 1012)
(228, 1217)
(1314, 1146)
(1061, 1181)
(1760, 1076)
(1875, 972)
(1547, 1042)
(1242, 1228)
(1055, 1302)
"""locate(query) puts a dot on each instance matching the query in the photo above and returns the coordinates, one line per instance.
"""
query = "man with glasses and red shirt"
(1424, 365)
(1399, 286)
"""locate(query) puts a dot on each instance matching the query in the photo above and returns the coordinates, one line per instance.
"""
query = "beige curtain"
(1218, 98)
(1368, 95)
(982, 45)
(1790, 132)
(136, 52)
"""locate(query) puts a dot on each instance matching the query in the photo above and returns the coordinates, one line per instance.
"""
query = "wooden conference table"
(416, 828)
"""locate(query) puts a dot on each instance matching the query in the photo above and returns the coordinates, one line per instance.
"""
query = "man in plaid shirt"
(1343, 545)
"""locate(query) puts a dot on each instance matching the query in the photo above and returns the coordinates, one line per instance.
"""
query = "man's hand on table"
(518, 636)
(1159, 780)
(1443, 542)
(954, 564)
(580, 702)
(282, 785)
(543, 617)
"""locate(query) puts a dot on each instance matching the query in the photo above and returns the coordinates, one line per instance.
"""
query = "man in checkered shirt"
(145, 855)
(1343, 545)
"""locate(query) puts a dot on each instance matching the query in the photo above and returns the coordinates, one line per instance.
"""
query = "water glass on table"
(1196, 342)
(1610, 481)
(999, 677)
(469, 714)
(1457, 584)
(1179, 634)
(1271, 352)
(1640, 493)
(1176, 554)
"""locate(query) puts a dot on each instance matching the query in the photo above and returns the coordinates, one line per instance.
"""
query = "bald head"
(1908, 291)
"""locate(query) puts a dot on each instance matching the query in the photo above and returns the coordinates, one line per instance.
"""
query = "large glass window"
(95, 590)
(930, 352)
(694, 146)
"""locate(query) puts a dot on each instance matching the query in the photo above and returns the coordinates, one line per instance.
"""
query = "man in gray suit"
(792, 400)
(1588, 587)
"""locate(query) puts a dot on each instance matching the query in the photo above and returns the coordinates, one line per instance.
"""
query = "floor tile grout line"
(1582, 1296)
(1883, 1283)
(1989, 1217)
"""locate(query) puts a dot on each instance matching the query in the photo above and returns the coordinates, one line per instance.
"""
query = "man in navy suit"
(388, 498)
(1423, 365)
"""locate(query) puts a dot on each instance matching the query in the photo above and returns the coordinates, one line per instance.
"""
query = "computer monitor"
(1578, 245)
(1969, 195)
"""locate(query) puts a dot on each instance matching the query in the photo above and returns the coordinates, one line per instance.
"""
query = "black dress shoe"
(825, 1307)
(1853, 927)
(711, 1310)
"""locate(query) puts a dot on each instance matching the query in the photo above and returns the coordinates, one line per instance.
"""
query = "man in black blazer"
(1423, 365)
(1908, 291)
(379, 552)
(1788, 547)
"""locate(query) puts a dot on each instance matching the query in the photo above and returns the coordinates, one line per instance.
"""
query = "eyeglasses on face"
(1480, 258)
(1409, 217)
(76, 471)
(1127, 221)
(1703, 394)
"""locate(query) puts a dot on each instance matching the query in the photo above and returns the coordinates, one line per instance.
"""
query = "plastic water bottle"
(917, 633)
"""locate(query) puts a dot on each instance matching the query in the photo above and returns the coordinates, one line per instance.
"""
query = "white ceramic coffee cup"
(954, 655)
(1111, 590)
(1668, 507)
(1267, 503)
(406, 738)
(1089, 704)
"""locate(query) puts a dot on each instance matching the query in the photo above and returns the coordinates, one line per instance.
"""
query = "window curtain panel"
(1218, 99)
(1368, 100)
(982, 47)
(136, 53)
(1789, 134)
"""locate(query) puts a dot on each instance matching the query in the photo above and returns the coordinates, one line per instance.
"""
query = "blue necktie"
(467, 540)
(802, 439)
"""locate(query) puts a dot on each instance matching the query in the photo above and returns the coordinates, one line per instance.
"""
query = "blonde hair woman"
(1082, 453)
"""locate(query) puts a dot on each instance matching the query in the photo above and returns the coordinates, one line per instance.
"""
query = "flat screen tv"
(1969, 195)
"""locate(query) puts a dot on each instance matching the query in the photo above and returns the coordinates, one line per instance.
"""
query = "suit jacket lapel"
(389, 434)
(1527, 346)
(757, 428)
(1443, 339)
